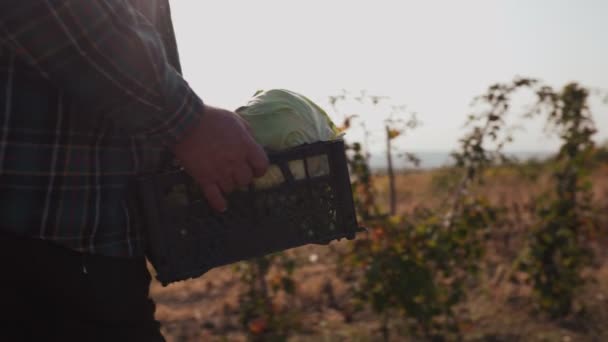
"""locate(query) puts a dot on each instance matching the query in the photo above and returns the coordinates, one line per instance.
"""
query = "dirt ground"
(500, 307)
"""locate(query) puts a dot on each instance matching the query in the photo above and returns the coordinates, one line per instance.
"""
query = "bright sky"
(434, 56)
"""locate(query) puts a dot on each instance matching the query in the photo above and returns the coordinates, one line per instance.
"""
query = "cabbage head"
(281, 119)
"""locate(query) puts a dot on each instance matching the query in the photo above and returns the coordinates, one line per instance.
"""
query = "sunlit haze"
(433, 56)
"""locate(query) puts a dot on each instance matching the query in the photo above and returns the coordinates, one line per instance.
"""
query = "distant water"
(431, 160)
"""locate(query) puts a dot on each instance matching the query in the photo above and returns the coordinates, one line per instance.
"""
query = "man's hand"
(221, 155)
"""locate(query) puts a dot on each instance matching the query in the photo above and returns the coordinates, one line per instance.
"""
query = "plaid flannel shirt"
(90, 95)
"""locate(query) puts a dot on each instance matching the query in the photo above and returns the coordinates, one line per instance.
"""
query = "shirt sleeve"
(107, 57)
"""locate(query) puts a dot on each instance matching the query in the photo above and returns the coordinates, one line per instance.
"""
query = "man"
(90, 96)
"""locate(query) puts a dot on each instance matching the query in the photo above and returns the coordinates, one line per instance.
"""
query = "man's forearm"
(107, 57)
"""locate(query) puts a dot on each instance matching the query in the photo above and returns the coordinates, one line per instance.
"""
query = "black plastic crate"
(186, 238)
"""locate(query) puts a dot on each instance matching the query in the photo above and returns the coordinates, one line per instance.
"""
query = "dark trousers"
(49, 293)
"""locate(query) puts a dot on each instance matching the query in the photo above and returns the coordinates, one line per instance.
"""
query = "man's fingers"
(258, 160)
(226, 183)
(214, 196)
(243, 176)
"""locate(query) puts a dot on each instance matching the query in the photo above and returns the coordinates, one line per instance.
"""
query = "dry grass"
(206, 309)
